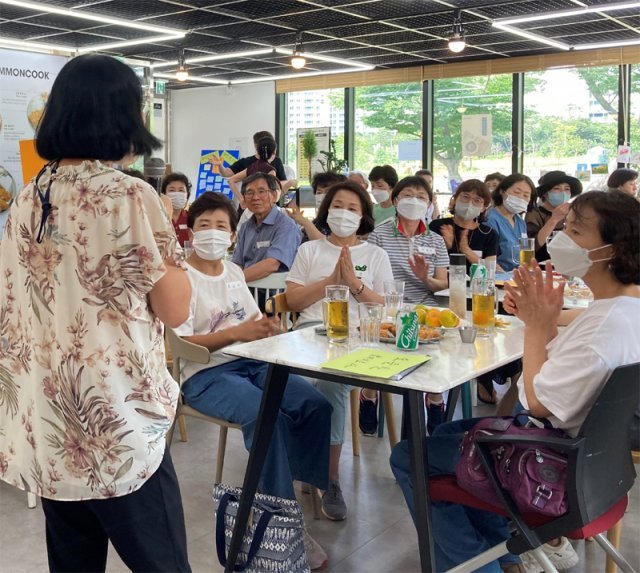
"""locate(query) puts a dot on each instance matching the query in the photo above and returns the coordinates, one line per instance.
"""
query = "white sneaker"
(563, 557)
(316, 556)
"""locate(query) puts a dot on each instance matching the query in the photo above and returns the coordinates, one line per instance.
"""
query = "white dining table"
(304, 351)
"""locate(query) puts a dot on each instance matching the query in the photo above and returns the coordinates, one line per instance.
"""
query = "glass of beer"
(483, 300)
(527, 251)
(337, 299)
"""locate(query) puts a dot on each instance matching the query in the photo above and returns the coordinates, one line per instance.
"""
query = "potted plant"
(309, 148)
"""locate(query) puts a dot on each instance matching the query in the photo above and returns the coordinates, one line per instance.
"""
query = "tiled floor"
(378, 535)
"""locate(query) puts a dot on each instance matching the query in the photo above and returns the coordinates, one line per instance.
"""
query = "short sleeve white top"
(316, 260)
(582, 356)
(217, 303)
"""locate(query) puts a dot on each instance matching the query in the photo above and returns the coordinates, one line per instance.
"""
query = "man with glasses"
(269, 240)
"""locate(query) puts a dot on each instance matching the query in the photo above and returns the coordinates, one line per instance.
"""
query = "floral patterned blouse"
(85, 395)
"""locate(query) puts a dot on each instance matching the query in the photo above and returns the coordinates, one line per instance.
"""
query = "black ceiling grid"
(381, 33)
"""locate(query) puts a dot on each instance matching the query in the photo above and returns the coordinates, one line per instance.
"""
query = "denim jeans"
(459, 532)
(299, 446)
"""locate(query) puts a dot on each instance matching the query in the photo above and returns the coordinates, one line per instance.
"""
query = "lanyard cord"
(45, 197)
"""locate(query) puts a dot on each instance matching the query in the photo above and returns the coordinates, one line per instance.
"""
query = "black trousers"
(146, 528)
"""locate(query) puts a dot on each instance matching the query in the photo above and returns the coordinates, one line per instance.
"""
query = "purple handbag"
(535, 478)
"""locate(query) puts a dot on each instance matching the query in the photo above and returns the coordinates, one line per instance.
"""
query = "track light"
(456, 39)
(182, 74)
(298, 61)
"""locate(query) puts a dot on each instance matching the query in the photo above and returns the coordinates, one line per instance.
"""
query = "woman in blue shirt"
(510, 199)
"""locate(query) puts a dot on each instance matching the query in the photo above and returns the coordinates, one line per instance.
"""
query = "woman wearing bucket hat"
(554, 191)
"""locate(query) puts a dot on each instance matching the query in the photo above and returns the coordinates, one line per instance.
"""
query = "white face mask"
(211, 244)
(468, 211)
(343, 223)
(515, 205)
(319, 199)
(569, 258)
(380, 195)
(412, 208)
(178, 199)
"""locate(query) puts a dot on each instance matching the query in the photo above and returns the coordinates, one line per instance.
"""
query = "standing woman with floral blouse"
(89, 271)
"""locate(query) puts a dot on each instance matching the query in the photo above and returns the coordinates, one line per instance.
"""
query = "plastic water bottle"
(458, 284)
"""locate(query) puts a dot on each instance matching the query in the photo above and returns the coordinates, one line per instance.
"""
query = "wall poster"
(209, 178)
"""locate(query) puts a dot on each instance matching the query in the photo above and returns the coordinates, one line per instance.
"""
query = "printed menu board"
(25, 82)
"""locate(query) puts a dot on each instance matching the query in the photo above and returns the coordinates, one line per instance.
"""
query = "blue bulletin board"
(209, 179)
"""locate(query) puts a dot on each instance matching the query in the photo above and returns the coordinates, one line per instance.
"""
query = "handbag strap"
(258, 535)
(522, 418)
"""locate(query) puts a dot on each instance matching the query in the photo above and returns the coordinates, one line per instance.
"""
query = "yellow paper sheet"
(376, 363)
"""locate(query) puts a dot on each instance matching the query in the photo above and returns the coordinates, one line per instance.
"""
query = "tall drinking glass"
(393, 297)
(527, 251)
(370, 319)
(483, 298)
(337, 297)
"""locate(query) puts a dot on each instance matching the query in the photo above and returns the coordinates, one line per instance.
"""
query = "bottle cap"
(457, 259)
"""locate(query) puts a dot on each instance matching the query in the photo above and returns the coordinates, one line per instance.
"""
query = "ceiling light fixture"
(456, 39)
(618, 44)
(532, 36)
(568, 13)
(182, 74)
(215, 57)
(35, 46)
(298, 61)
(47, 8)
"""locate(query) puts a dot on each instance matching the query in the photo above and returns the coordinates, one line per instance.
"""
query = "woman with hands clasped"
(341, 258)
(564, 370)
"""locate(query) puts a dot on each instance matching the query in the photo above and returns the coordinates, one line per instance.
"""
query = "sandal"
(485, 397)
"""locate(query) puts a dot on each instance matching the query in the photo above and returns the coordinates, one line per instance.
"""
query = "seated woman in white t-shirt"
(340, 258)
(563, 371)
(223, 312)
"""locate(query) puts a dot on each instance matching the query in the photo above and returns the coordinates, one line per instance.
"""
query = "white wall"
(217, 118)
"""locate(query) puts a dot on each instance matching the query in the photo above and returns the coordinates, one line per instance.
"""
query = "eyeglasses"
(258, 193)
(466, 198)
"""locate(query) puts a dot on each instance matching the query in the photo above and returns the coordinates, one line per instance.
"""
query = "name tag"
(426, 251)
(183, 227)
(263, 244)
(234, 284)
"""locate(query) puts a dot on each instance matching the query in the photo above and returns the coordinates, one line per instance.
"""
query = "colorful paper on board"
(376, 363)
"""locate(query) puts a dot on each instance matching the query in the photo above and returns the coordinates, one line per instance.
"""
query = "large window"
(571, 123)
(319, 108)
(634, 131)
(472, 129)
(388, 127)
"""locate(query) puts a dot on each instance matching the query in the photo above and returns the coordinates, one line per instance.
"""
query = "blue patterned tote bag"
(274, 539)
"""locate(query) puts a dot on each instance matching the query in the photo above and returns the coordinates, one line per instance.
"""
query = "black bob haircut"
(325, 178)
(172, 178)
(94, 111)
(509, 181)
(367, 223)
(385, 172)
(411, 181)
(618, 220)
(211, 201)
